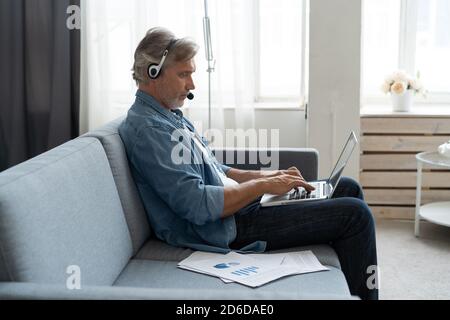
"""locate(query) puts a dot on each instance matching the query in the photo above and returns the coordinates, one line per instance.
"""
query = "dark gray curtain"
(39, 78)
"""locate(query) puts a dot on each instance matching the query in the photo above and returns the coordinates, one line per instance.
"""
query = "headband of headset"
(155, 69)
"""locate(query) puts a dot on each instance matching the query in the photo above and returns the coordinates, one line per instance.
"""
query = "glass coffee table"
(436, 212)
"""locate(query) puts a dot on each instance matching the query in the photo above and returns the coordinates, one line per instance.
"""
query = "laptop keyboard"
(301, 193)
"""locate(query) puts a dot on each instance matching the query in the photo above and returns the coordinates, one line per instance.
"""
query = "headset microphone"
(190, 96)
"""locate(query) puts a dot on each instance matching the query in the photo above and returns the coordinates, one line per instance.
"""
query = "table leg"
(418, 195)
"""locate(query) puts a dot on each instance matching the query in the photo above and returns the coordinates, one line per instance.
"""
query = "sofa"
(78, 205)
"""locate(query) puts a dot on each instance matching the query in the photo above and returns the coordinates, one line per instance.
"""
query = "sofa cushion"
(61, 209)
(165, 274)
(129, 196)
(155, 249)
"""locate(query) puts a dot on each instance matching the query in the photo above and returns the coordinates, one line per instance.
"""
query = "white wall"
(334, 80)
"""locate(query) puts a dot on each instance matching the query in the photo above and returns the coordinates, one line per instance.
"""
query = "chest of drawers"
(389, 143)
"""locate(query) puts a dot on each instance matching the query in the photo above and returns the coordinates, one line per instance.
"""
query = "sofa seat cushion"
(155, 249)
(166, 274)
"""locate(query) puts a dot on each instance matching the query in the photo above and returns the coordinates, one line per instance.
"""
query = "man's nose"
(190, 84)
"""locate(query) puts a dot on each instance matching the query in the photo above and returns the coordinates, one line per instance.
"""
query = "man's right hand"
(240, 195)
(281, 184)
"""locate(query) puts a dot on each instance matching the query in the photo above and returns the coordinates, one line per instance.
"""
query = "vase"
(402, 102)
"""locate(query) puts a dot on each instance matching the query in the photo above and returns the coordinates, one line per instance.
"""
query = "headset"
(155, 69)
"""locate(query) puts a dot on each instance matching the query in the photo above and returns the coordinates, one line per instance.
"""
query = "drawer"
(405, 125)
(396, 143)
(404, 196)
(389, 144)
(390, 162)
(381, 179)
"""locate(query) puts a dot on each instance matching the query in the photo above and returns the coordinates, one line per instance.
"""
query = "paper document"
(198, 256)
(252, 269)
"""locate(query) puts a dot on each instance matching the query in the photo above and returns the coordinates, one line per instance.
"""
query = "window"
(259, 46)
(281, 47)
(411, 35)
(260, 49)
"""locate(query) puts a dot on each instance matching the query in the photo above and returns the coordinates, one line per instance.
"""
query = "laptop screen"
(343, 159)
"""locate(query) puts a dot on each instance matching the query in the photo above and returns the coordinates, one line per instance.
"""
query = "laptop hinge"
(329, 188)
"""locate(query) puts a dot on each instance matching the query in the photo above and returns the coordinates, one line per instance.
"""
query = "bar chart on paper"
(246, 271)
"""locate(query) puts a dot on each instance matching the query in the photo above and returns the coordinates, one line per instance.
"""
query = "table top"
(433, 158)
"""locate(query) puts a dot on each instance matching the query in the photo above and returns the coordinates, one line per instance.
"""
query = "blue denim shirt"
(182, 192)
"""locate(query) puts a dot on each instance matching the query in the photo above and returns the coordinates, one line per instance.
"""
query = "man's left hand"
(293, 171)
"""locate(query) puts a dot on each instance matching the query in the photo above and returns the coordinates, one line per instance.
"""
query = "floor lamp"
(209, 57)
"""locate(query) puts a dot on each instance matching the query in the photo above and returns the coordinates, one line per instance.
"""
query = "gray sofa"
(77, 205)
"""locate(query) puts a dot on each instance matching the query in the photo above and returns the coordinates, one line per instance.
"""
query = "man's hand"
(283, 183)
(242, 176)
(253, 184)
(293, 171)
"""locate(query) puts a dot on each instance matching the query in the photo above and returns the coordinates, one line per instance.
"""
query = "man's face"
(175, 83)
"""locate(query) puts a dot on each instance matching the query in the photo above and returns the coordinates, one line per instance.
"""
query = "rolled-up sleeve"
(179, 185)
(225, 168)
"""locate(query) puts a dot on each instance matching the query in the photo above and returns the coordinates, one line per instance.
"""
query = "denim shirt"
(181, 190)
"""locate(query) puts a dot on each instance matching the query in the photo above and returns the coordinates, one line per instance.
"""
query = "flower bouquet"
(402, 87)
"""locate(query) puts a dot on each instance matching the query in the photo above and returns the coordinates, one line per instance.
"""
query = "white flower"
(400, 76)
(389, 79)
(423, 92)
(416, 85)
(398, 87)
(386, 87)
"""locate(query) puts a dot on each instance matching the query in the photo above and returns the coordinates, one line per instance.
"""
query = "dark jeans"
(344, 222)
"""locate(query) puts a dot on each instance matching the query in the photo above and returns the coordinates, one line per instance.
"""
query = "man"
(193, 201)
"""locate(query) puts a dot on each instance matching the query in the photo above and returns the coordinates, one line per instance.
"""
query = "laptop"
(324, 189)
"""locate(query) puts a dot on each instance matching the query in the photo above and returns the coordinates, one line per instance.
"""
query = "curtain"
(39, 78)
(112, 30)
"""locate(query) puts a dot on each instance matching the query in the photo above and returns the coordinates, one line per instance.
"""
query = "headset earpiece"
(154, 69)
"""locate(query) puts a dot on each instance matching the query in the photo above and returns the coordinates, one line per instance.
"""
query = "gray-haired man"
(205, 205)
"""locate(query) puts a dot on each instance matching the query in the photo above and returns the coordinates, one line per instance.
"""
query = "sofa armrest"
(305, 159)
(35, 291)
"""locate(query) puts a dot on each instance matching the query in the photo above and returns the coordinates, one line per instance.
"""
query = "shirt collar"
(174, 116)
